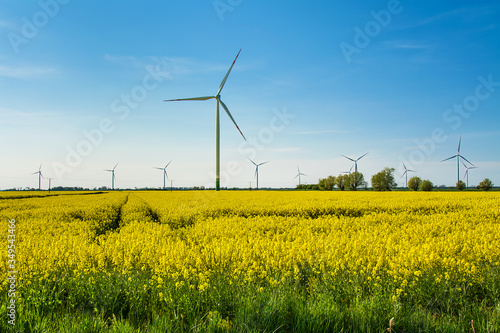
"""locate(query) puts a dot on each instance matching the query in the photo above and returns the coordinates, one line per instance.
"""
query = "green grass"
(312, 303)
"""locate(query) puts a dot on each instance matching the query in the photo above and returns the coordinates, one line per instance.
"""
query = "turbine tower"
(355, 161)
(40, 176)
(299, 174)
(406, 173)
(165, 176)
(217, 122)
(112, 176)
(257, 170)
(467, 172)
(458, 157)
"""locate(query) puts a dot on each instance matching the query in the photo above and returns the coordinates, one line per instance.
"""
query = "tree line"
(381, 181)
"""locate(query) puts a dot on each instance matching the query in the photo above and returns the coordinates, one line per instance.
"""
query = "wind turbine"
(458, 157)
(348, 172)
(467, 172)
(112, 176)
(299, 174)
(406, 173)
(217, 122)
(257, 170)
(165, 176)
(355, 161)
(40, 176)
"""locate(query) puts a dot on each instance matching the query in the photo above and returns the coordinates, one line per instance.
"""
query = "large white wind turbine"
(217, 123)
(165, 176)
(257, 170)
(458, 157)
(355, 161)
(40, 176)
(112, 176)
(406, 173)
(299, 174)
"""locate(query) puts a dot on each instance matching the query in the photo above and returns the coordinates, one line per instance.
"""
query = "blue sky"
(82, 85)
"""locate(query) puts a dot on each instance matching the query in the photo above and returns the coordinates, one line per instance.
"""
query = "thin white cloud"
(4, 23)
(321, 132)
(173, 65)
(283, 150)
(407, 45)
(4, 112)
(26, 72)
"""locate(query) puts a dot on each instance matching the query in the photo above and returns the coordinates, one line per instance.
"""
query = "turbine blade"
(449, 158)
(158, 168)
(256, 172)
(348, 158)
(263, 163)
(404, 166)
(361, 157)
(190, 99)
(404, 173)
(168, 164)
(230, 116)
(115, 166)
(459, 142)
(34, 173)
(466, 160)
(296, 176)
(166, 174)
(251, 161)
(227, 74)
(40, 168)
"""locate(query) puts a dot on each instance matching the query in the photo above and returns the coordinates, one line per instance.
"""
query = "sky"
(82, 85)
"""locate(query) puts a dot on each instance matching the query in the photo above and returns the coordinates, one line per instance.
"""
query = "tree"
(426, 185)
(485, 185)
(384, 180)
(341, 181)
(460, 185)
(326, 184)
(354, 180)
(414, 183)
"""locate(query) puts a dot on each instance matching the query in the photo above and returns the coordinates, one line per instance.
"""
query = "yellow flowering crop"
(395, 238)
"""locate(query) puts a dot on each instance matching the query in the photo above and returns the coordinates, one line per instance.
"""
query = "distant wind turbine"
(355, 161)
(165, 176)
(217, 122)
(348, 172)
(299, 174)
(467, 172)
(406, 173)
(40, 176)
(112, 176)
(458, 157)
(257, 170)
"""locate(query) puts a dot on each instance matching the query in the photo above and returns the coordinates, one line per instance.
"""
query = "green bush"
(485, 185)
(426, 185)
(460, 185)
(414, 183)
